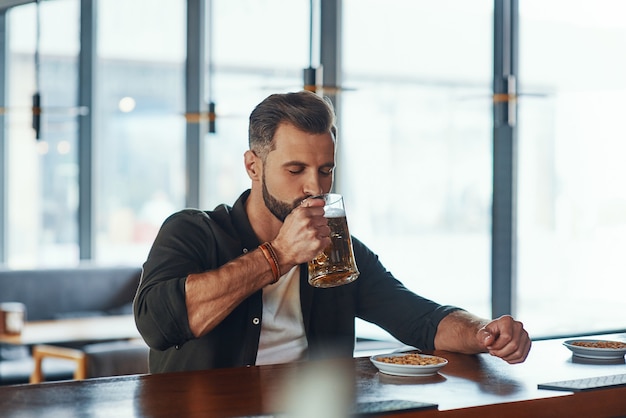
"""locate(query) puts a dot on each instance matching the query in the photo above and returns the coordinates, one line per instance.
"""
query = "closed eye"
(296, 170)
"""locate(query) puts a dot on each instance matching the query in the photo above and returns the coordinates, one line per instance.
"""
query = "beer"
(335, 266)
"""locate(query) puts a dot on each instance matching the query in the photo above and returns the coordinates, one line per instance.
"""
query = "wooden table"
(43, 334)
(469, 386)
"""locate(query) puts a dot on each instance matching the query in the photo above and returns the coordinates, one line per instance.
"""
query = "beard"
(279, 209)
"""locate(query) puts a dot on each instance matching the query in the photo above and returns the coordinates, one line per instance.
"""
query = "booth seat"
(82, 291)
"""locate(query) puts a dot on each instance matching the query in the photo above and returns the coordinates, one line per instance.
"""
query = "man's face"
(301, 165)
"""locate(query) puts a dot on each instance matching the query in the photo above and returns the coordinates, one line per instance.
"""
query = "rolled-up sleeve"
(159, 307)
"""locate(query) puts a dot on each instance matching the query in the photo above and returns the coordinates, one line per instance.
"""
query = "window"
(138, 174)
(42, 179)
(258, 47)
(572, 202)
(139, 139)
(415, 156)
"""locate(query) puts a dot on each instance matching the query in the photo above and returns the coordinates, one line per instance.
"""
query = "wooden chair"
(113, 358)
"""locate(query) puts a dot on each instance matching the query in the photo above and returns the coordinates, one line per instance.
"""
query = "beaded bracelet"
(270, 255)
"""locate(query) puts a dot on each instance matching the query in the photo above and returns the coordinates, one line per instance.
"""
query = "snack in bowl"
(597, 349)
(408, 364)
(412, 359)
(600, 344)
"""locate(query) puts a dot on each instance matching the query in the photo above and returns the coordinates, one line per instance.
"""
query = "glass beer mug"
(335, 266)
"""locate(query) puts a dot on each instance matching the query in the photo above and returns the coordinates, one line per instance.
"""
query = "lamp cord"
(37, 46)
(311, 34)
(36, 124)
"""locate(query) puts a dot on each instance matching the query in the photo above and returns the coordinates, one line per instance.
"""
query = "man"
(211, 297)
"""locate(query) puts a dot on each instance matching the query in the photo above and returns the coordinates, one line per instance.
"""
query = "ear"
(253, 165)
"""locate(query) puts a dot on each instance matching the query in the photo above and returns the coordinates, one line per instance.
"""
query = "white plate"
(407, 369)
(593, 352)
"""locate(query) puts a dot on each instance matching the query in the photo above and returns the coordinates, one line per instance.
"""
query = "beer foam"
(334, 213)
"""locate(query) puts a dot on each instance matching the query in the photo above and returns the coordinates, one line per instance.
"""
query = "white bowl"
(407, 369)
(595, 352)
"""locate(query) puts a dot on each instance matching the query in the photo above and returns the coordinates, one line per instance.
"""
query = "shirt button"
(256, 321)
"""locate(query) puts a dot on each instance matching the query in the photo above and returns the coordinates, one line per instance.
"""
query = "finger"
(310, 202)
(510, 350)
(504, 329)
(516, 350)
(485, 337)
(310, 211)
(517, 358)
(498, 338)
(520, 355)
(323, 231)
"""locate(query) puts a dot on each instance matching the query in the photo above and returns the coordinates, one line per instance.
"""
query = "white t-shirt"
(282, 330)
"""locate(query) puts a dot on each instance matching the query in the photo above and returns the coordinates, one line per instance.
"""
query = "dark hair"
(305, 110)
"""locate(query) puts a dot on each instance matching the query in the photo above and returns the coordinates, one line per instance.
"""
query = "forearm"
(212, 295)
(458, 332)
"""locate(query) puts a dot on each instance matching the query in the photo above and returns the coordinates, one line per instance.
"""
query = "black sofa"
(86, 290)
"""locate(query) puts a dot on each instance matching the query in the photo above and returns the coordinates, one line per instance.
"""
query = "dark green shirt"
(193, 241)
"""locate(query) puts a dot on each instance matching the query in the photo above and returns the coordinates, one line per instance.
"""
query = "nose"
(313, 185)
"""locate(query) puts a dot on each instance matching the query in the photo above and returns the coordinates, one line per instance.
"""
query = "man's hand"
(463, 332)
(505, 338)
(304, 234)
